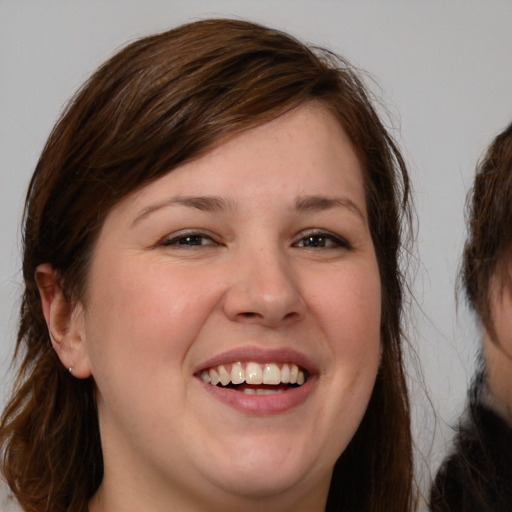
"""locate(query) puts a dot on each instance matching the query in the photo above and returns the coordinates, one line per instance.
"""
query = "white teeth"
(267, 391)
(294, 371)
(271, 374)
(249, 391)
(214, 376)
(237, 373)
(225, 377)
(253, 374)
(285, 374)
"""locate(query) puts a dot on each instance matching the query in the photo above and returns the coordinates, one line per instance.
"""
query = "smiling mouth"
(254, 378)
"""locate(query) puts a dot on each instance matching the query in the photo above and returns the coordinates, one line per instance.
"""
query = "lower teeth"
(258, 391)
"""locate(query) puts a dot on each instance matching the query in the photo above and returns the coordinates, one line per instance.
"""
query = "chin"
(267, 475)
(261, 484)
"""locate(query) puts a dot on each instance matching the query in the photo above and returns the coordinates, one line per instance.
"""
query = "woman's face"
(253, 265)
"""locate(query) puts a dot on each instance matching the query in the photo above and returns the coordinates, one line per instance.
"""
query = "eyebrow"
(214, 204)
(317, 203)
(202, 203)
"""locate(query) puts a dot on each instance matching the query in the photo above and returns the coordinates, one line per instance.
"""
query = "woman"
(212, 313)
(478, 475)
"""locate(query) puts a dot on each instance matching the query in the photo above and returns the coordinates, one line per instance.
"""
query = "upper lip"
(259, 355)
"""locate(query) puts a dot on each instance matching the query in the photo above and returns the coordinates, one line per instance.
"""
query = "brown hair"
(475, 470)
(162, 101)
(489, 212)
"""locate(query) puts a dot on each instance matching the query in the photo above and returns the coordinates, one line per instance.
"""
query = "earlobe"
(65, 321)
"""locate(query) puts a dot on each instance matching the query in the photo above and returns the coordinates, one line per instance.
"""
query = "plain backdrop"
(443, 68)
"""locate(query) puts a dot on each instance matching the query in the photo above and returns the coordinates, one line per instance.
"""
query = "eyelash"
(310, 240)
(181, 239)
(333, 241)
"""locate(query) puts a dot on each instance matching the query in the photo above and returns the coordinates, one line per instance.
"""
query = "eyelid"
(173, 238)
(339, 240)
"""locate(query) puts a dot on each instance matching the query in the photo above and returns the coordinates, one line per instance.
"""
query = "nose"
(264, 290)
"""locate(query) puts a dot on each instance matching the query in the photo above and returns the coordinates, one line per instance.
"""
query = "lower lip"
(275, 403)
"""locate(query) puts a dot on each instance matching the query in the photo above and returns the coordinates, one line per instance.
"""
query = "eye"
(188, 239)
(322, 240)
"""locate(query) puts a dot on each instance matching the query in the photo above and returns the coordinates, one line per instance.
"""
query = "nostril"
(249, 315)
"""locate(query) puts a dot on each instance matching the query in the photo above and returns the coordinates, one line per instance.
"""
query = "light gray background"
(443, 67)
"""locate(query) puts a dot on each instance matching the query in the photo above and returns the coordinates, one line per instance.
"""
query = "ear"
(65, 321)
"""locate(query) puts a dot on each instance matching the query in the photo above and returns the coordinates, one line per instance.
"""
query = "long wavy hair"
(160, 102)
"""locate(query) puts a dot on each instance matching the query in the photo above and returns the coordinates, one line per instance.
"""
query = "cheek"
(349, 313)
(142, 315)
(503, 314)
(350, 316)
(350, 310)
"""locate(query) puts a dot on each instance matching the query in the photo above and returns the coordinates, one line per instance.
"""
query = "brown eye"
(314, 241)
(322, 241)
(188, 240)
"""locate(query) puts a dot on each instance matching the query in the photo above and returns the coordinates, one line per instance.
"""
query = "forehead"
(304, 152)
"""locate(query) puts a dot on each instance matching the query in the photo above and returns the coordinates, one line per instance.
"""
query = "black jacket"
(477, 476)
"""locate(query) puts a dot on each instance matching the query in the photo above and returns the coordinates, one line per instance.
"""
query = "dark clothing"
(477, 477)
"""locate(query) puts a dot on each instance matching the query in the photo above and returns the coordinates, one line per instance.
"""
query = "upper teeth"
(254, 373)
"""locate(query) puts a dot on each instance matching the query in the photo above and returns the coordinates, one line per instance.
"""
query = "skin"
(498, 353)
(156, 310)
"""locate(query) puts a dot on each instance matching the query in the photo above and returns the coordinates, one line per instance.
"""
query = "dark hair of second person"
(477, 474)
